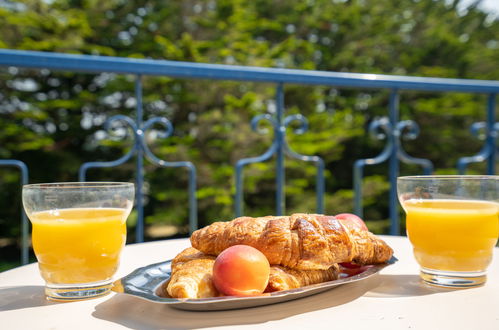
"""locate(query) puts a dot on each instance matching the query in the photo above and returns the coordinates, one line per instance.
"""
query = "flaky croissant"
(300, 241)
(283, 278)
(192, 276)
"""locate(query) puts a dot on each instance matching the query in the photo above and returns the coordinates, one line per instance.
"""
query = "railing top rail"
(91, 63)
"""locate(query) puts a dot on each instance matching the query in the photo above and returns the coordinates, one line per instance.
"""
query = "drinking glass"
(453, 226)
(79, 230)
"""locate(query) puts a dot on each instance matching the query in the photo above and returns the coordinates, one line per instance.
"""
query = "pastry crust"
(283, 278)
(300, 241)
(192, 276)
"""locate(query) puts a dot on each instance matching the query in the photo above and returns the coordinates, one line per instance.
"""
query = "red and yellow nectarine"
(351, 221)
(241, 270)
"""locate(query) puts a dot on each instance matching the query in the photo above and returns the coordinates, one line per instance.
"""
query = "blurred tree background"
(53, 120)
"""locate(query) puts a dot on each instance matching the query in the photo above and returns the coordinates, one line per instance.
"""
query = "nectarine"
(351, 221)
(241, 270)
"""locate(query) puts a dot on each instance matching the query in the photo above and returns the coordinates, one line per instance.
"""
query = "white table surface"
(393, 299)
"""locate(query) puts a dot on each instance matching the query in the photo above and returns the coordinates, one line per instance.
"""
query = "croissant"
(192, 276)
(283, 278)
(300, 241)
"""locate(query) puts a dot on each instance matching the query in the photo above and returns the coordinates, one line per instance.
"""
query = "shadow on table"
(19, 297)
(394, 286)
(136, 313)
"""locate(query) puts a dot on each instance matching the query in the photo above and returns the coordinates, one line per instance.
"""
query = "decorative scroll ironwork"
(279, 147)
(24, 220)
(380, 129)
(490, 133)
(319, 181)
(409, 130)
(140, 149)
(393, 131)
(478, 130)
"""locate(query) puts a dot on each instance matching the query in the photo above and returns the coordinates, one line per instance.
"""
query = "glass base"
(76, 292)
(449, 279)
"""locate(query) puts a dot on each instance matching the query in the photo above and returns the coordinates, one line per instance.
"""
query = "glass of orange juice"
(453, 225)
(79, 230)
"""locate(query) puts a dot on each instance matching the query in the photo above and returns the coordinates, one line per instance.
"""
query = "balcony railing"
(388, 127)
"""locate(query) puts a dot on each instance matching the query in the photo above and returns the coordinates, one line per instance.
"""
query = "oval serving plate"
(147, 283)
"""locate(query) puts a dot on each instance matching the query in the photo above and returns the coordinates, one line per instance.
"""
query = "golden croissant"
(192, 276)
(283, 278)
(300, 241)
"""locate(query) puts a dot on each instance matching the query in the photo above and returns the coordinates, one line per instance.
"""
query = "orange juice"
(80, 245)
(452, 235)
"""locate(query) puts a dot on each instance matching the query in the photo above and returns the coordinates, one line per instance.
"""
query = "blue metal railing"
(389, 128)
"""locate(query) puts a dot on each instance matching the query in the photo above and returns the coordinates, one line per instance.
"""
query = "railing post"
(491, 133)
(394, 165)
(238, 197)
(139, 199)
(358, 174)
(280, 136)
(380, 129)
(320, 185)
(24, 219)
(193, 206)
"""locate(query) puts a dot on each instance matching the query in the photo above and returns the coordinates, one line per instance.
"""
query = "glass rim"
(448, 177)
(79, 184)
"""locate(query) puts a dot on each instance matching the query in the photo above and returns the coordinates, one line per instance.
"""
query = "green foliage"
(53, 120)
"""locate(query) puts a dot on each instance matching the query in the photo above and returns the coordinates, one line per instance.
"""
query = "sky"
(491, 6)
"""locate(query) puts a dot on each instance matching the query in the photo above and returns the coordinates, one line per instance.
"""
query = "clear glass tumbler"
(79, 230)
(453, 225)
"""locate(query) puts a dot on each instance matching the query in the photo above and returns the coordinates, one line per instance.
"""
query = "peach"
(351, 221)
(241, 270)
